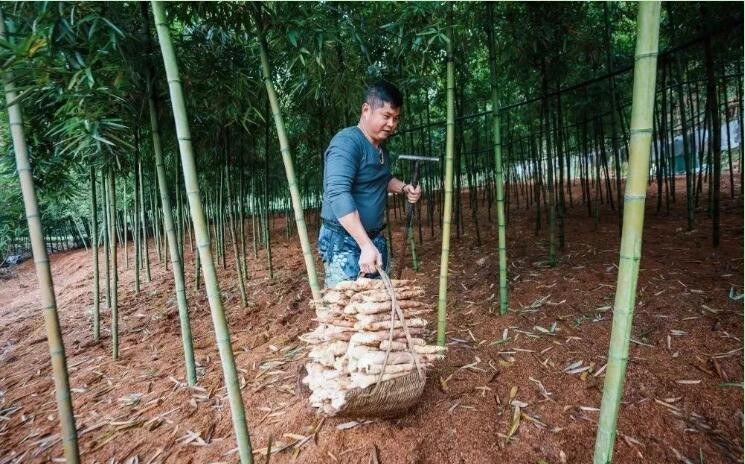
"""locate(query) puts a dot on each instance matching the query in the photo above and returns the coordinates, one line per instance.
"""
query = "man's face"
(380, 123)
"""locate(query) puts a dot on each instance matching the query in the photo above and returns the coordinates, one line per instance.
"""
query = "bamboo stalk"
(645, 68)
(143, 222)
(94, 254)
(448, 206)
(222, 331)
(715, 140)
(136, 215)
(125, 217)
(284, 145)
(177, 265)
(111, 186)
(499, 176)
(106, 237)
(236, 255)
(173, 242)
(43, 269)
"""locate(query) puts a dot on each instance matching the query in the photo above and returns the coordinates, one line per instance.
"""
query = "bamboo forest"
(558, 277)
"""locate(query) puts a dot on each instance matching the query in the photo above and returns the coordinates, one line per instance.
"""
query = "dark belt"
(335, 226)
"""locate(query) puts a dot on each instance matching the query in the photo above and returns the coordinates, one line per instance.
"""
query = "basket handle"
(396, 311)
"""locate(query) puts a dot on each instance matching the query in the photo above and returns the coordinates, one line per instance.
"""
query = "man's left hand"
(413, 193)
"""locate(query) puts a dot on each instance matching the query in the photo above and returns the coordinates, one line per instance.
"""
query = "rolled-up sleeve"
(341, 168)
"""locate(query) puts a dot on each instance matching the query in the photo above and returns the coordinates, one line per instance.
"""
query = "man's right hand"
(370, 257)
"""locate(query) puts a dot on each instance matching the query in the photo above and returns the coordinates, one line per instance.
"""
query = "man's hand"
(369, 258)
(412, 193)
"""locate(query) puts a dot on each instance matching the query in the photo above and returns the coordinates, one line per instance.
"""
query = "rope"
(395, 311)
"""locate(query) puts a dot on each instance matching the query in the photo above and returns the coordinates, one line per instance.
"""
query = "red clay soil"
(683, 399)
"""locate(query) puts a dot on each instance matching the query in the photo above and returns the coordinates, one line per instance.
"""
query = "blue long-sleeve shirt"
(355, 179)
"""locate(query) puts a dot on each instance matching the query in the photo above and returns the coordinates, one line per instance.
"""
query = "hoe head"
(418, 158)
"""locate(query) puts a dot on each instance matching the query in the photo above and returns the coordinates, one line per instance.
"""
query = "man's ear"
(365, 108)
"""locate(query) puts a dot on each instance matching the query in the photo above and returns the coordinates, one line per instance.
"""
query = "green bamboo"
(236, 255)
(645, 72)
(94, 252)
(106, 237)
(499, 176)
(136, 218)
(448, 206)
(549, 171)
(712, 107)
(302, 230)
(143, 222)
(222, 331)
(43, 269)
(242, 222)
(266, 236)
(177, 265)
(124, 225)
(111, 187)
(254, 228)
(614, 139)
(686, 144)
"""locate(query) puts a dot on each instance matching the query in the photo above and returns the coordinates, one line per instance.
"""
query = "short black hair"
(381, 92)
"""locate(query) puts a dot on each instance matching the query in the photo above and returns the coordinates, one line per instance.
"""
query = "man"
(356, 181)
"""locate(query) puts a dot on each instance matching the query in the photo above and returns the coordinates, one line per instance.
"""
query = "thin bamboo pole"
(143, 222)
(94, 253)
(448, 206)
(111, 188)
(177, 265)
(173, 241)
(106, 237)
(43, 269)
(645, 73)
(125, 218)
(136, 214)
(236, 255)
(499, 176)
(222, 331)
(716, 143)
(284, 145)
(686, 145)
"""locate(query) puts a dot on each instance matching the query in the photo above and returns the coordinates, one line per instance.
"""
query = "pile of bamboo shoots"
(353, 345)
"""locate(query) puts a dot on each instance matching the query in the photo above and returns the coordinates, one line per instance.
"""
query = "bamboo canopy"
(645, 73)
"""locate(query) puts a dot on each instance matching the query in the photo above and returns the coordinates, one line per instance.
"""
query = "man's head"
(380, 111)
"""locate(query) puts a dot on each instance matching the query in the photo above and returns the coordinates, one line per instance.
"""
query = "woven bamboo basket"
(384, 399)
(388, 399)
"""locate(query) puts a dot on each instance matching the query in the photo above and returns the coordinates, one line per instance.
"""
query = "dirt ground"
(683, 399)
